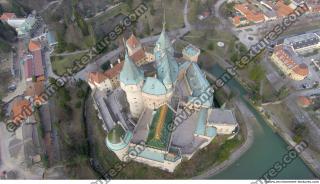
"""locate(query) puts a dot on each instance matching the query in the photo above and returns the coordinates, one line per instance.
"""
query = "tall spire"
(164, 19)
(130, 73)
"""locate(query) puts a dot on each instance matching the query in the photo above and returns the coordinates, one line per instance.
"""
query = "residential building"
(251, 13)
(107, 80)
(97, 80)
(289, 63)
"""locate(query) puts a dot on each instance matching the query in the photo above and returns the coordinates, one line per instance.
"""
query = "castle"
(158, 88)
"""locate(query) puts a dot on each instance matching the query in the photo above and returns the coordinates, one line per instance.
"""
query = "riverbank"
(268, 147)
(248, 118)
(307, 155)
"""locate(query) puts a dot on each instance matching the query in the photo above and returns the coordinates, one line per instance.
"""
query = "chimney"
(119, 60)
(111, 65)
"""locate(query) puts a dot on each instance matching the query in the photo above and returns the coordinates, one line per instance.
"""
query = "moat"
(268, 147)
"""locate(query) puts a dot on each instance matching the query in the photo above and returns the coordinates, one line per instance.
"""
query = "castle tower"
(118, 141)
(135, 50)
(131, 81)
(191, 53)
(167, 67)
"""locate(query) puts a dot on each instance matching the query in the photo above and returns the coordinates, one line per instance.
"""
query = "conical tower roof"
(163, 44)
(130, 73)
(167, 67)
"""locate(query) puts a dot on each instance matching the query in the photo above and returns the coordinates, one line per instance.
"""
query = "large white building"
(287, 56)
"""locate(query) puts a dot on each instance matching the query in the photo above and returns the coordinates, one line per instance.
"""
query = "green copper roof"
(191, 50)
(196, 80)
(167, 67)
(163, 43)
(130, 73)
(152, 155)
(118, 139)
(153, 86)
(159, 135)
(202, 129)
(27, 25)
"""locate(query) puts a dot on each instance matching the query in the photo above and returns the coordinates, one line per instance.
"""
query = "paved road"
(71, 53)
(98, 14)
(50, 4)
(94, 66)
(49, 71)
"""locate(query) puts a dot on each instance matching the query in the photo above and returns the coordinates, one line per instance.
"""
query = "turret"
(131, 81)
(167, 67)
(118, 141)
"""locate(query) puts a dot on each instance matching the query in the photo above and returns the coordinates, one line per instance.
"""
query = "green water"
(267, 148)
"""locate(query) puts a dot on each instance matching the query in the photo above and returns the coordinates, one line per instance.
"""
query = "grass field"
(203, 40)
(282, 112)
(122, 8)
(61, 63)
(196, 8)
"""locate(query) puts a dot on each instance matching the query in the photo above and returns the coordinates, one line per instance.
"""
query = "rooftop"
(38, 66)
(28, 68)
(290, 60)
(96, 77)
(138, 56)
(283, 9)
(133, 42)
(304, 101)
(20, 107)
(34, 45)
(51, 38)
(141, 131)
(153, 86)
(196, 80)
(303, 40)
(191, 50)
(114, 71)
(159, 135)
(220, 116)
(202, 128)
(34, 89)
(250, 12)
(130, 73)
(7, 16)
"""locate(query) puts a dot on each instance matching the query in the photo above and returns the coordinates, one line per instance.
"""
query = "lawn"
(268, 93)
(151, 22)
(122, 8)
(207, 41)
(61, 63)
(282, 112)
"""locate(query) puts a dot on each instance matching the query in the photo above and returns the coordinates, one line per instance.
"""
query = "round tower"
(118, 141)
(131, 81)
